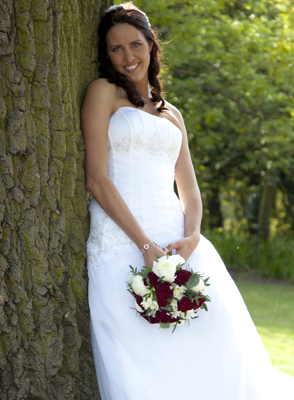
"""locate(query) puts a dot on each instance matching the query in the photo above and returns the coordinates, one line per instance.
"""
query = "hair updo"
(130, 14)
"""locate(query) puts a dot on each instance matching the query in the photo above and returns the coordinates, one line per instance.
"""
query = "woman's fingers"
(184, 247)
(171, 247)
(151, 255)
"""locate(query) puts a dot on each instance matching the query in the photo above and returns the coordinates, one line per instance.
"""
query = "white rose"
(177, 259)
(204, 291)
(138, 307)
(165, 268)
(130, 278)
(198, 287)
(149, 303)
(138, 286)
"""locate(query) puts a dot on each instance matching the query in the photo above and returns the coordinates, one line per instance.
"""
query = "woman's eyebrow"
(134, 41)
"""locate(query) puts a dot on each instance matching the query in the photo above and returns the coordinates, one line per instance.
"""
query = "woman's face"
(129, 52)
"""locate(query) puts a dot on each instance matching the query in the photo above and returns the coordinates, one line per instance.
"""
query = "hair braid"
(153, 72)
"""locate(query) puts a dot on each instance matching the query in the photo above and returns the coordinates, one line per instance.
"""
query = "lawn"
(272, 309)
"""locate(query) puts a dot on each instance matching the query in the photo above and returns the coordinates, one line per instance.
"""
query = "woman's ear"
(151, 44)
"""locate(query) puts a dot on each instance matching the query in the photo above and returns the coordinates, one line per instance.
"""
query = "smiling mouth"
(132, 67)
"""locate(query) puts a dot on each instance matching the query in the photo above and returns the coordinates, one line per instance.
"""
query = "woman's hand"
(185, 246)
(151, 253)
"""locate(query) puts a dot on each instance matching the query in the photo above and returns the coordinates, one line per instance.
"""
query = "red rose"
(153, 278)
(185, 304)
(162, 317)
(163, 291)
(151, 320)
(171, 320)
(182, 277)
(201, 300)
(162, 302)
(139, 299)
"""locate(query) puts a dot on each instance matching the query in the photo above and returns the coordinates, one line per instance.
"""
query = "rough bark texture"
(48, 52)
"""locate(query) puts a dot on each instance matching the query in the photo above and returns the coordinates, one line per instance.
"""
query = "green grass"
(272, 309)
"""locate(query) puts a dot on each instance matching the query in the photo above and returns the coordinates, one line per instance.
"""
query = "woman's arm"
(100, 102)
(189, 194)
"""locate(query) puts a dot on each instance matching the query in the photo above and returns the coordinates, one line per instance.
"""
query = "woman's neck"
(145, 92)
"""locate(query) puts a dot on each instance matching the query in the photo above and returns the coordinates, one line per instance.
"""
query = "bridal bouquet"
(167, 294)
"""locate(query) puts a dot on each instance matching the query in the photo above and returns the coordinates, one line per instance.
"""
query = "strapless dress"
(219, 356)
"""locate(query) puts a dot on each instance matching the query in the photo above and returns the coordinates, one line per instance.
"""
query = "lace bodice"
(142, 153)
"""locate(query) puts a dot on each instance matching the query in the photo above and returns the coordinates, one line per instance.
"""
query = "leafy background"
(228, 66)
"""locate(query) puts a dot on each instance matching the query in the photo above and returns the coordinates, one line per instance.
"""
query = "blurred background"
(228, 67)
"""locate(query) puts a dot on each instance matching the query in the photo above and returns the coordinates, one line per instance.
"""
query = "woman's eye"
(136, 45)
(116, 49)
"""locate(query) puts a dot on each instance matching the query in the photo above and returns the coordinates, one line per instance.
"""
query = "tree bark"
(48, 52)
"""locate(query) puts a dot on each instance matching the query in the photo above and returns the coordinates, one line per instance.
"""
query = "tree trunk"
(267, 201)
(48, 56)
(214, 206)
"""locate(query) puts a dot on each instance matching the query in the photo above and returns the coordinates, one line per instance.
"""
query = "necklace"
(145, 100)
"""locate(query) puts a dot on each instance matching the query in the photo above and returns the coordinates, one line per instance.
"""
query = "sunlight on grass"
(272, 309)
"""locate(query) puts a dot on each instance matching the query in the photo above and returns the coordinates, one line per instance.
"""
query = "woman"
(136, 145)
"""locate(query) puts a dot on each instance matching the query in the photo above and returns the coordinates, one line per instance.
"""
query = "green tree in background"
(230, 72)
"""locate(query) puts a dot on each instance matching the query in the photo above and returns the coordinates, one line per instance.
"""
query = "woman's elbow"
(89, 184)
(95, 184)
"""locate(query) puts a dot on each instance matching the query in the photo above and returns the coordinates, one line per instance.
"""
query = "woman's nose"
(129, 56)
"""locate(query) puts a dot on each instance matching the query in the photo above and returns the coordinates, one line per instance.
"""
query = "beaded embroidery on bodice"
(142, 153)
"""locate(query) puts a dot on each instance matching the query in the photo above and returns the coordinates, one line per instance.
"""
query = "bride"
(136, 146)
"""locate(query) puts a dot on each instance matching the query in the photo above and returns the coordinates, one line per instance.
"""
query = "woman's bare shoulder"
(176, 114)
(174, 111)
(100, 95)
(100, 87)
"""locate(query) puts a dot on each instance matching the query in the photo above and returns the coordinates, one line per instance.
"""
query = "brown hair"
(130, 14)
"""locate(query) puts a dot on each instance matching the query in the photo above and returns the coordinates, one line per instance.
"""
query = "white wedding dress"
(219, 356)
